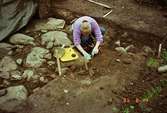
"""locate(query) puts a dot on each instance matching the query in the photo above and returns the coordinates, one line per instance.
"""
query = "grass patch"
(152, 63)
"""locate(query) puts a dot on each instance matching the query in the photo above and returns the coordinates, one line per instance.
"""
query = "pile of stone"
(34, 65)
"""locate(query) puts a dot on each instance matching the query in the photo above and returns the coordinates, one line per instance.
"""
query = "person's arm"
(97, 32)
(79, 47)
(98, 36)
(97, 44)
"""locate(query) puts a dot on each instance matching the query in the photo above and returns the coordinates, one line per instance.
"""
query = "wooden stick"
(86, 65)
(73, 20)
(101, 4)
(107, 13)
(159, 50)
(59, 67)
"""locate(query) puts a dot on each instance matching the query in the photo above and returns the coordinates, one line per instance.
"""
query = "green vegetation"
(115, 109)
(164, 56)
(152, 63)
(147, 96)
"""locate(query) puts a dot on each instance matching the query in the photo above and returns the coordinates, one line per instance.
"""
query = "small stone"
(67, 103)
(4, 75)
(124, 35)
(121, 50)
(10, 52)
(162, 69)
(46, 80)
(48, 56)
(6, 83)
(110, 101)
(131, 83)
(118, 43)
(42, 79)
(20, 46)
(64, 70)
(28, 74)
(16, 75)
(132, 107)
(51, 63)
(86, 82)
(44, 31)
(53, 76)
(65, 91)
(35, 78)
(3, 92)
(129, 47)
(127, 61)
(118, 60)
(43, 70)
(36, 89)
(19, 61)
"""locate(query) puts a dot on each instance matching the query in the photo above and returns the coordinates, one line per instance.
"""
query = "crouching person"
(87, 36)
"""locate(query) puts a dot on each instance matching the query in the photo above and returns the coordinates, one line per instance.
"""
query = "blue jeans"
(89, 42)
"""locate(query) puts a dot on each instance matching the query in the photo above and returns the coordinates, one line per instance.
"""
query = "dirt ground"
(114, 80)
(111, 77)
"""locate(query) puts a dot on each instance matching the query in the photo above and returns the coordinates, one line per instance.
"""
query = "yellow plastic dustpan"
(69, 55)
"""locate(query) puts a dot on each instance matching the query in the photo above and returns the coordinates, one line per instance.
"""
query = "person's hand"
(87, 56)
(95, 51)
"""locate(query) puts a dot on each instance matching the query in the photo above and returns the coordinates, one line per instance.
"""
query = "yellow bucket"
(69, 55)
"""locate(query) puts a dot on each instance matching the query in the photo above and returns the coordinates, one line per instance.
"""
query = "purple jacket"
(94, 28)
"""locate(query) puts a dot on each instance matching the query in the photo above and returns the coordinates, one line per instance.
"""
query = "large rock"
(4, 74)
(8, 64)
(15, 97)
(50, 24)
(54, 38)
(6, 46)
(36, 57)
(21, 39)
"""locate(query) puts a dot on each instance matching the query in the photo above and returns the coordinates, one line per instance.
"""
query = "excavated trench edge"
(144, 38)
